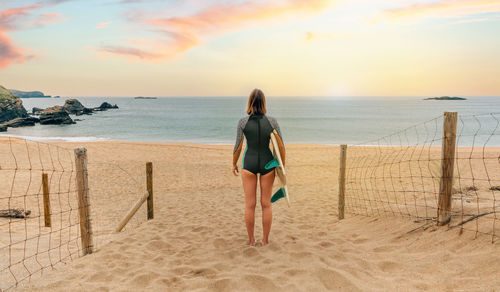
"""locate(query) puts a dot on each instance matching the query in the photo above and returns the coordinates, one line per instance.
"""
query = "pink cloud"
(102, 25)
(48, 18)
(183, 33)
(8, 52)
(443, 9)
(129, 52)
(19, 18)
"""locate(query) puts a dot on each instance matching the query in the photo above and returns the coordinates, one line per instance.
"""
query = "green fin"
(278, 195)
(271, 164)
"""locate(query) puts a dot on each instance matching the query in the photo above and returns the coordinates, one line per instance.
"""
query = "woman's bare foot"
(264, 242)
(252, 242)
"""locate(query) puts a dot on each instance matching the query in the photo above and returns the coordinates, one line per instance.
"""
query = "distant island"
(446, 98)
(144, 97)
(28, 94)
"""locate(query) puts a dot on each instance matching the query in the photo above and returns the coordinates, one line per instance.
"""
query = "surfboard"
(280, 169)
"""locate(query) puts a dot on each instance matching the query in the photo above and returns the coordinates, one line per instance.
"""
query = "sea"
(315, 120)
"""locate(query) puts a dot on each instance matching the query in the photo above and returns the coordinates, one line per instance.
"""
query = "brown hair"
(256, 103)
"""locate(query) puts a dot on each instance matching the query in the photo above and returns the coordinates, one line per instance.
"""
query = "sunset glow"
(226, 48)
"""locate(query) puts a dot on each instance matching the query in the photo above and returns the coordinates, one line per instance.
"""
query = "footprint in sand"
(156, 245)
(204, 272)
(325, 244)
(385, 248)
(250, 252)
(334, 281)
(294, 272)
(220, 243)
(388, 266)
(261, 283)
(224, 285)
(360, 240)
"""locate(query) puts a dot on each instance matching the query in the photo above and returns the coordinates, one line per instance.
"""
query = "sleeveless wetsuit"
(257, 130)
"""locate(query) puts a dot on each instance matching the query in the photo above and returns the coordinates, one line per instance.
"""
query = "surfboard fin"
(278, 195)
(271, 164)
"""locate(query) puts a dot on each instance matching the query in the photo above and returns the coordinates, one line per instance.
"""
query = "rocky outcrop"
(55, 115)
(3, 128)
(11, 106)
(37, 110)
(105, 106)
(85, 111)
(74, 107)
(22, 122)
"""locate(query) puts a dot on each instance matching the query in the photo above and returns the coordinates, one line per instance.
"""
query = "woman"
(257, 129)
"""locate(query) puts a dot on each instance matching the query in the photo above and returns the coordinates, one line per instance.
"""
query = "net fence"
(29, 245)
(399, 174)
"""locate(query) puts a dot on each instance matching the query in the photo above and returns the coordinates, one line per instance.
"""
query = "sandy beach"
(197, 240)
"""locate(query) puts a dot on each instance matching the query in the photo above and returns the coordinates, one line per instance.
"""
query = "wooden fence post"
(447, 164)
(149, 181)
(343, 152)
(46, 200)
(82, 184)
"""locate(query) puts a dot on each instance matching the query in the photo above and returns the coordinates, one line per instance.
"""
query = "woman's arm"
(239, 140)
(236, 153)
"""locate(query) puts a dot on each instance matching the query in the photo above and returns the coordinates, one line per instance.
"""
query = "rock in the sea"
(105, 106)
(55, 115)
(22, 122)
(446, 98)
(85, 111)
(37, 110)
(11, 107)
(73, 106)
(3, 128)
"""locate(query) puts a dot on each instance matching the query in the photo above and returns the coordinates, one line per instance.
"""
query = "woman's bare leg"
(266, 189)
(250, 187)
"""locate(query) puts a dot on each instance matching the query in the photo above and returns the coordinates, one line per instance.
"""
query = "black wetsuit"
(257, 130)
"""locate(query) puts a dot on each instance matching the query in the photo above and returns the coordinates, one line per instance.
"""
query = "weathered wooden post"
(82, 184)
(46, 200)
(149, 182)
(447, 164)
(343, 152)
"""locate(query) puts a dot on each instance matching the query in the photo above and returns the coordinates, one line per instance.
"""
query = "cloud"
(128, 52)
(470, 20)
(20, 18)
(312, 36)
(183, 33)
(441, 9)
(130, 2)
(8, 52)
(102, 25)
(48, 18)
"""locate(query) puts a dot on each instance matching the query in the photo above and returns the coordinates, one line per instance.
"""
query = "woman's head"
(256, 103)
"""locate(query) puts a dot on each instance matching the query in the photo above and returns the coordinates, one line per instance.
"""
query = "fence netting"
(399, 174)
(28, 248)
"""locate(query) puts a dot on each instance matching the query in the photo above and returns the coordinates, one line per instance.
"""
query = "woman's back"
(257, 130)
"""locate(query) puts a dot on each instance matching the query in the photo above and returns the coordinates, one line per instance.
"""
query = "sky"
(227, 48)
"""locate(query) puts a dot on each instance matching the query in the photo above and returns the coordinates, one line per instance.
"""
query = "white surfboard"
(280, 170)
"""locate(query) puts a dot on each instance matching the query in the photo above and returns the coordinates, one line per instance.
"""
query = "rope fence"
(47, 202)
(444, 171)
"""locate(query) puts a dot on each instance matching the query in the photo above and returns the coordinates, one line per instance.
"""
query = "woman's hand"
(235, 170)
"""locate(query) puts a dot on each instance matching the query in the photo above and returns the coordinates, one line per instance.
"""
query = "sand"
(198, 241)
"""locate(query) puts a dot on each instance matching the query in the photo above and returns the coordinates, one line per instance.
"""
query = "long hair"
(256, 103)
